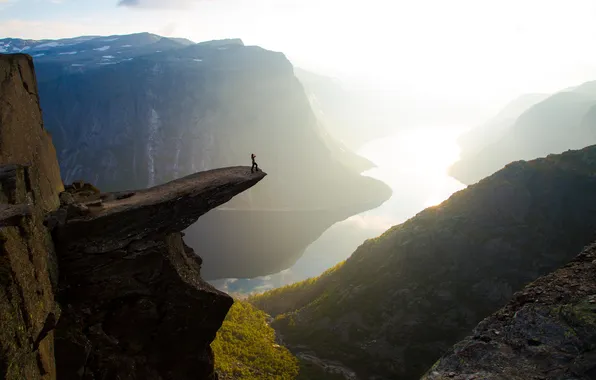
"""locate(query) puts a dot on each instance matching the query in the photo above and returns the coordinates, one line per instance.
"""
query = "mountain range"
(100, 284)
(529, 127)
(135, 111)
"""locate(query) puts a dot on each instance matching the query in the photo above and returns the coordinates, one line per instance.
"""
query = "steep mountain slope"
(547, 331)
(96, 285)
(246, 348)
(352, 113)
(135, 118)
(473, 141)
(404, 298)
(558, 123)
(29, 187)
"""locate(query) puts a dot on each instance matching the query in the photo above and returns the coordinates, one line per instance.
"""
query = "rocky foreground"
(92, 285)
(547, 331)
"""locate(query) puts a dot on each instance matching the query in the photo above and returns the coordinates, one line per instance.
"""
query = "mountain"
(547, 331)
(473, 141)
(401, 300)
(135, 111)
(352, 113)
(560, 122)
(99, 285)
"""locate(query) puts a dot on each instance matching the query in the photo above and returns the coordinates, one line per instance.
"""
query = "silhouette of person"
(254, 163)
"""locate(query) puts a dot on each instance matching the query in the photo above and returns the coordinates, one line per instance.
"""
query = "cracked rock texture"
(132, 301)
(547, 331)
(29, 187)
(135, 305)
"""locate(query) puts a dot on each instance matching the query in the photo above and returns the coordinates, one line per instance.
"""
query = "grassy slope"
(402, 299)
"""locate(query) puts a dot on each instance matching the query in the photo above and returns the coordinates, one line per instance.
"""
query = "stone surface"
(163, 209)
(28, 277)
(547, 331)
(23, 139)
(135, 305)
(29, 187)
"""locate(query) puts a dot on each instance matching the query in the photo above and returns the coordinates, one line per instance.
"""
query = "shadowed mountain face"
(402, 299)
(529, 128)
(99, 285)
(547, 331)
(127, 114)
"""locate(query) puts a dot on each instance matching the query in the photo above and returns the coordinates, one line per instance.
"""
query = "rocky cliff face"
(401, 300)
(134, 302)
(125, 123)
(99, 285)
(547, 331)
(29, 187)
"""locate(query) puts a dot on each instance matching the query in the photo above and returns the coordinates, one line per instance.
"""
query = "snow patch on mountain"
(49, 44)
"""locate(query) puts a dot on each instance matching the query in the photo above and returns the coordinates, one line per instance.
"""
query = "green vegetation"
(245, 347)
(400, 300)
(295, 296)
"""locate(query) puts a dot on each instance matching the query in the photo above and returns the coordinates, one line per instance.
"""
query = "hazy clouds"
(170, 4)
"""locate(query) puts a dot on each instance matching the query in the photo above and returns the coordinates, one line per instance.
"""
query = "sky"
(474, 51)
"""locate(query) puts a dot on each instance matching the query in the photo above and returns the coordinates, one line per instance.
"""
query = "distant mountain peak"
(224, 42)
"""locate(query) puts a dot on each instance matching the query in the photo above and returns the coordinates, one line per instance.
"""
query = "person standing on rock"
(254, 163)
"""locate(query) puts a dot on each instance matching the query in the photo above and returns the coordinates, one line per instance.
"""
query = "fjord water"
(414, 164)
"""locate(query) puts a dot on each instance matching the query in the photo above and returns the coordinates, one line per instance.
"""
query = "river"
(414, 164)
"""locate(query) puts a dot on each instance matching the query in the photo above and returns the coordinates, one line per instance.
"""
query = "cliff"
(555, 124)
(28, 272)
(401, 300)
(153, 112)
(547, 331)
(134, 300)
(99, 285)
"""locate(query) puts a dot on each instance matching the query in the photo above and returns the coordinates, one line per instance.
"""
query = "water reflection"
(414, 164)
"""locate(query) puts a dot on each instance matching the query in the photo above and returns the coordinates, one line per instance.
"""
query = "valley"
(425, 206)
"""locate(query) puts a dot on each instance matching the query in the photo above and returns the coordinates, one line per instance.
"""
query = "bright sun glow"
(475, 52)
(422, 156)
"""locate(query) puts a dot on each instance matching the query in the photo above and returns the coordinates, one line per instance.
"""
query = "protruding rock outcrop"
(134, 301)
(134, 304)
(29, 187)
(547, 331)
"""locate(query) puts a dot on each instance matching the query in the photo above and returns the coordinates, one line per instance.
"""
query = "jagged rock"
(135, 304)
(66, 199)
(163, 209)
(23, 139)
(56, 218)
(11, 215)
(29, 187)
(547, 331)
(27, 283)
